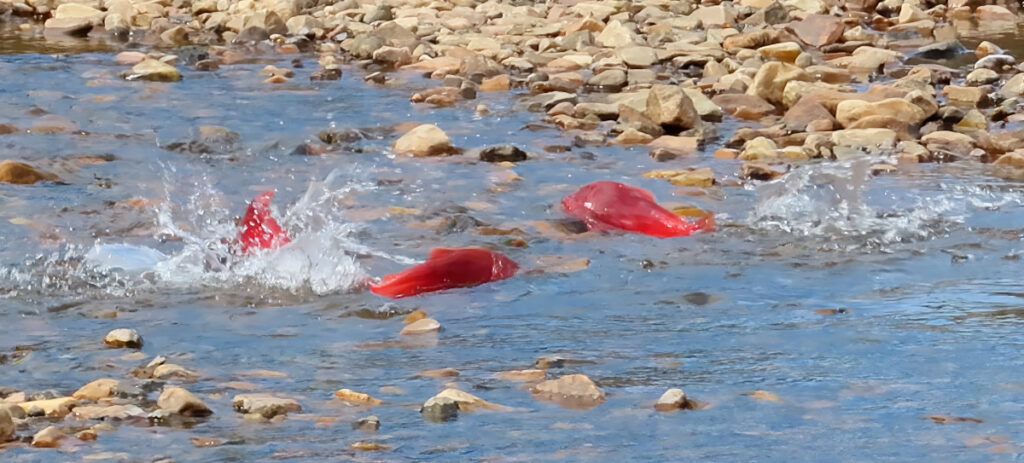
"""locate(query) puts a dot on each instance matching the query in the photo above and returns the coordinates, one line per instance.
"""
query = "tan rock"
(752, 39)
(785, 51)
(98, 389)
(818, 30)
(743, 106)
(1014, 87)
(129, 58)
(439, 373)
(909, 13)
(678, 146)
(22, 174)
(987, 48)
(771, 80)
(360, 398)
(691, 177)
(972, 121)
(49, 437)
(152, 70)
(526, 376)
(68, 26)
(850, 111)
(123, 337)
(760, 171)
(865, 138)
(807, 113)
(174, 371)
(948, 141)
(972, 97)
(673, 399)
(615, 35)
(867, 59)
(58, 407)
(1013, 159)
(668, 105)
(638, 57)
(426, 325)
(715, 15)
(981, 76)
(573, 391)
(632, 136)
(759, 149)
(392, 56)
(424, 140)
(994, 13)
(498, 83)
(181, 401)
(706, 108)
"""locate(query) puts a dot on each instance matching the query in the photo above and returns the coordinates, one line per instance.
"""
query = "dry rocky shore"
(810, 81)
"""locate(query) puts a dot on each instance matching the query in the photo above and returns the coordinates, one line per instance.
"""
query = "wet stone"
(502, 153)
(367, 424)
(423, 326)
(152, 70)
(673, 399)
(99, 389)
(572, 391)
(107, 412)
(180, 401)
(22, 174)
(123, 337)
(264, 405)
(424, 140)
(440, 409)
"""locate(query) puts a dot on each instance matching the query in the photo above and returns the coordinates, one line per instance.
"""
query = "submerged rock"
(22, 174)
(96, 390)
(354, 397)
(674, 399)
(123, 337)
(440, 408)
(571, 391)
(107, 412)
(426, 325)
(367, 424)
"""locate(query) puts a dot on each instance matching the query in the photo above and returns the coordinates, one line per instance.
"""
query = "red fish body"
(445, 269)
(608, 205)
(259, 229)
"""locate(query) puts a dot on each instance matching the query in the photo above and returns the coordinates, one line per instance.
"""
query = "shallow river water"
(923, 266)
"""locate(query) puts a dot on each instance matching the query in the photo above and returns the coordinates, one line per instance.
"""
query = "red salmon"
(259, 229)
(447, 268)
(608, 205)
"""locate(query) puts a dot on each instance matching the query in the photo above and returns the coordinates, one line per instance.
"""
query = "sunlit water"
(925, 263)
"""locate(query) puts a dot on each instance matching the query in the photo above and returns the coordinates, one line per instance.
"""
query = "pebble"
(123, 337)
(181, 401)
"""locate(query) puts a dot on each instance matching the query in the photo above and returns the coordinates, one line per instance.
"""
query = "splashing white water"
(834, 201)
(200, 226)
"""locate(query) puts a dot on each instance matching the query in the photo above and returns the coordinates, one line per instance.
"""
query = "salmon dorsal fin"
(438, 253)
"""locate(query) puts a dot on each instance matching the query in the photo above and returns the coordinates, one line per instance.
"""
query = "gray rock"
(368, 424)
(381, 13)
(440, 408)
(612, 79)
(264, 405)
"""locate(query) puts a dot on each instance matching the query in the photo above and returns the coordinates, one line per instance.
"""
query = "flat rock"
(850, 111)
(107, 412)
(615, 35)
(265, 405)
(22, 174)
(424, 140)
(78, 27)
(526, 376)
(182, 402)
(152, 70)
(572, 391)
(808, 112)
(51, 407)
(676, 145)
(354, 397)
(638, 57)
(123, 337)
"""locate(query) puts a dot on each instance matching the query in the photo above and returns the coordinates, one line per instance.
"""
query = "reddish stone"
(743, 106)
(818, 30)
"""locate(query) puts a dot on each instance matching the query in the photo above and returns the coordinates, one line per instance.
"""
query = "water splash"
(839, 202)
(196, 225)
